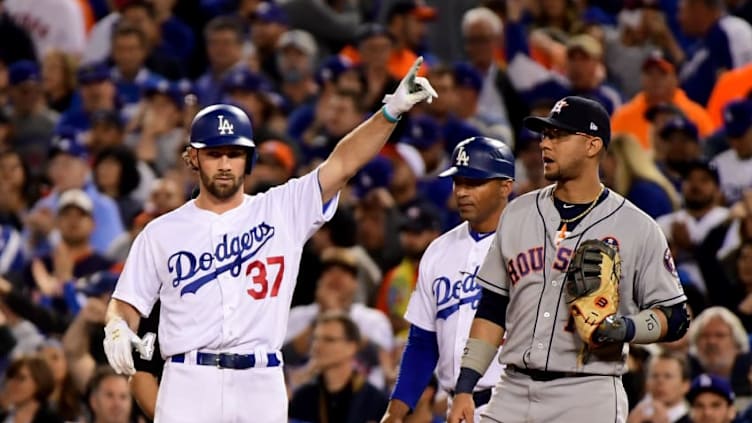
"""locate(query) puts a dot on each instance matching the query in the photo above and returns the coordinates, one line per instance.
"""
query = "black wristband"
(467, 381)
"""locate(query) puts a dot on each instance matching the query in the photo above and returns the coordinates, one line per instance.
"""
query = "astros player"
(225, 264)
(443, 304)
(546, 378)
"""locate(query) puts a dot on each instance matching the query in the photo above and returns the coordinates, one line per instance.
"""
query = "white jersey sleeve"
(139, 283)
(421, 309)
(303, 207)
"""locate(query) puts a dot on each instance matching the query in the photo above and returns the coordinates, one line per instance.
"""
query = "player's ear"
(595, 147)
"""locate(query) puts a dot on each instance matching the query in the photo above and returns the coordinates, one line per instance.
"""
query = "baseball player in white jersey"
(225, 264)
(550, 374)
(446, 295)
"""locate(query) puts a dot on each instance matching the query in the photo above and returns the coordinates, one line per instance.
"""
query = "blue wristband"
(466, 381)
(388, 117)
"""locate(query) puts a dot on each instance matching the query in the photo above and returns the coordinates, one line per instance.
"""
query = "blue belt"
(228, 361)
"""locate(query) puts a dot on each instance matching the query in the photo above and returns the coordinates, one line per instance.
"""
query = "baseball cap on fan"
(75, 198)
(577, 115)
(711, 383)
(416, 8)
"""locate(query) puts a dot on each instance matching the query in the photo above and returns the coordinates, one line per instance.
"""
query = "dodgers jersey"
(225, 280)
(528, 264)
(446, 297)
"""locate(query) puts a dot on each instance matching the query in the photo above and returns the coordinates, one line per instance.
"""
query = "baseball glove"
(592, 287)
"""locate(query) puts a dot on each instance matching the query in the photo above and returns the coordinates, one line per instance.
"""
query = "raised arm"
(364, 142)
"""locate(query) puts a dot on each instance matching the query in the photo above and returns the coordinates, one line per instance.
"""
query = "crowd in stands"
(96, 101)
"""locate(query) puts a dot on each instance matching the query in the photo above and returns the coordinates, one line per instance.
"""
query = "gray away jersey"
(528, 264)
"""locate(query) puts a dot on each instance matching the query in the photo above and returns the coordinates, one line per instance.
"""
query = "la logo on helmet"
(463, 159)
(225, 127)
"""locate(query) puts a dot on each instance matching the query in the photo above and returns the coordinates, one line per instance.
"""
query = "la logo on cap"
(225, 127)
(559, 105)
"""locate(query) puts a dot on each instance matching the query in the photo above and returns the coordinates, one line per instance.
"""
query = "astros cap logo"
(558, 106)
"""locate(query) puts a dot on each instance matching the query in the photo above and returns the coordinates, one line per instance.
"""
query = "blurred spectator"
(12, 253)
(667, 383)
(275, 164)
(629, 171)
(717, 256)
(332, 23)
(107, 132)
(109, 397)
(129, 73)
(642, 28)
(67, 170)
(719, 346)
(735, 164)
(711, 399)
(744, 285)
(116, 176)
(66, 395)
(17, 44)
(375, 45)
(585, 71)
(52, 24)
(98, 93)
(158, 137)
(676, 148)
(725, 42)
(407, 169)
(339, 392)
(160, 58)
(173, 36)
(377, 218)
(252, 92)
(224, 47)
(268, 23)
(659, 86)
(483, 36)
(686, 229)
(29, 384)
(733, 84)
(408, 21)
(59, 80)
(344, 111)
(296, 60)
(32, 121)
(18, 189)
(443, 108)
(422, 225)
(469, 86)
(335, 291)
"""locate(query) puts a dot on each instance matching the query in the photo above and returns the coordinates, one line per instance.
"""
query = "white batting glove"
(119, 341)
(411, 91)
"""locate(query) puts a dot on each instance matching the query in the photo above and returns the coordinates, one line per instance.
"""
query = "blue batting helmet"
(481, 158)
(221, 125)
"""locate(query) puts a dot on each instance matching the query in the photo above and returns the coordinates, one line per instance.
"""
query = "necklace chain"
(590, 207)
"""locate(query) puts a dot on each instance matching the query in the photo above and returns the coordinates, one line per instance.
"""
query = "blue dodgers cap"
(67, 140)
(737, 118)
(422, 132)
(467, 76)
(711, 383)
(269, 12)
(98, 283)
(419, 217)
(375, 174)
(704, 166)
(172, 90)
(332, 68)
(679, 124)
(369, 30)
(575, 114)
(245, 80)
(93, 72)
(23, 71)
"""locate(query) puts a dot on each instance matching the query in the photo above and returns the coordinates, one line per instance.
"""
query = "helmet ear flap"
(250, 160)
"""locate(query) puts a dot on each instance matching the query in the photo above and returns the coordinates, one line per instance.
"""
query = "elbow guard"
(492, 307)
(677, 317)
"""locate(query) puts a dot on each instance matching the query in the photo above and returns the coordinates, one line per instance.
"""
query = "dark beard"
(221, 193)
(697, 204)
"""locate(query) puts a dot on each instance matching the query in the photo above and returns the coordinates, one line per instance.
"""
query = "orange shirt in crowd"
(631, 117)
(731, 85)
(399, 61)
